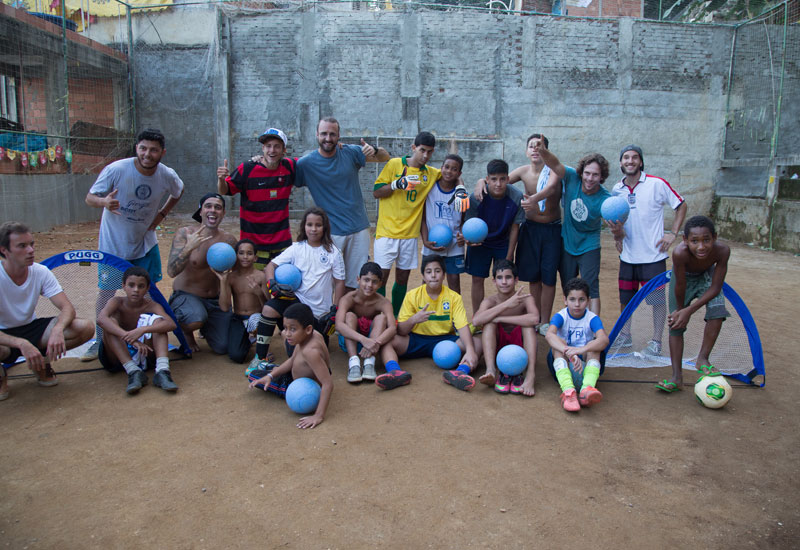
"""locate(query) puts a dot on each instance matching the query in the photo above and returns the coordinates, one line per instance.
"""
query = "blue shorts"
(422, 345)
(539, 252)
(454, 264)
(479, 259)
(150, 261)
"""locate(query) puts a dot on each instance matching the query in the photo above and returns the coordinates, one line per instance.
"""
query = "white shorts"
(404, 252)
(355, 251)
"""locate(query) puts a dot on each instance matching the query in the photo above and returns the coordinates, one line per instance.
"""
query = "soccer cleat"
(459, 380)
(569, 400)
(516, 384)
(354, 374)
(589, 396)
(92, 353)
(255, 363)
(163, 380)
(393, 379)
(369, 372)
(136, 381)
(653, 348)
(503, 384)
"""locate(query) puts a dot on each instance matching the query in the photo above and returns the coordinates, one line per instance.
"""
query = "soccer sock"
(591, 373)
(130, 367)
(392, 365)
(382, 291)
(563, 374)
(463, 368)
(265, 330)
(162, 363)
(398, 293)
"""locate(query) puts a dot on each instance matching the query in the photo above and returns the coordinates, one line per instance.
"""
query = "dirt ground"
(424, 466)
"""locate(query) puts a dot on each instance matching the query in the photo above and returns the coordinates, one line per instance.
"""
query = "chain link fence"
(764, 99)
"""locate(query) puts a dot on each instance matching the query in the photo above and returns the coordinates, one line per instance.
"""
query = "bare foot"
(191, 341)
(527, 390)
(489, 378)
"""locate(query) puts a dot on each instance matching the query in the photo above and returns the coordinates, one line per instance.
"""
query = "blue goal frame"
(733, 298)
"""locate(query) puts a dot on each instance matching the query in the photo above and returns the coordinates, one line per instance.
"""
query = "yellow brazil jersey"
(448, 310)
(400, 214)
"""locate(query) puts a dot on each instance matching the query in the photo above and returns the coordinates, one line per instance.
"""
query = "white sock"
(369, 361)
(162, 363)
(130, 367)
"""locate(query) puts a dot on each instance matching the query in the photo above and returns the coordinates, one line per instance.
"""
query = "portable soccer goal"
(737, 352)
(80, 271)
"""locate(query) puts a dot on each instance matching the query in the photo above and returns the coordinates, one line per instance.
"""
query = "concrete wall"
(47, 200)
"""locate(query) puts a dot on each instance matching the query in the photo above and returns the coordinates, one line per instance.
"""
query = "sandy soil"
(425, 466)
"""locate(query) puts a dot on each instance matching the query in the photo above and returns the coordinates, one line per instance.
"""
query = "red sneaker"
(569, 400)
(459, 380)
(589, 396)
(393, 379)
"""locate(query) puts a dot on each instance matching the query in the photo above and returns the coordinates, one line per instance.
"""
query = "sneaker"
(163, 380)
(516, 384)
(354, 374)
(543, 328)
(136, 381)
(92, 353)
(256, 363)
(459, 380)
(653, 348)
(503, 384)
(393, 379)
(569, 400)
(624, 340)
(369, 372)
(589, 396)
(51, 375)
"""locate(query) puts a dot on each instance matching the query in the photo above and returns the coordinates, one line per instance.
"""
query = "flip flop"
(667, 386)
(706, 370)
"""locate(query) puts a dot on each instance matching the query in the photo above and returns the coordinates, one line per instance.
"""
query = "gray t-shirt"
(125, 234)
(334, 186)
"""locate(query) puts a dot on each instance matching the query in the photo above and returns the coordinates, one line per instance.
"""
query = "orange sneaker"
(569, 400)
(589, 396)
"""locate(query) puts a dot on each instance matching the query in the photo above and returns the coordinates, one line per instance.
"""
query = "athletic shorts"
(403, 252)
(539, 252)
(696, 286)
(455, 264)
(364, 326)
(505, 338)
(32, 332)
(265, 256)
(355, 251)
(106, 275)
(189, 309)
(587, 264)
(480, 258)
(633, 276)
(422, 345)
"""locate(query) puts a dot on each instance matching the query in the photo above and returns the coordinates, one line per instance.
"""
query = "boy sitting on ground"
(508, 317)
(368, 323)
(699, 266)
(428, 315)
(310, 359)
(134, 329)
(576, 335)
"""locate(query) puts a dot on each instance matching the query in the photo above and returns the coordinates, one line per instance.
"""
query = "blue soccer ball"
(288, 274)
(446, 354)
(615, 209)
(440, 235)
(221, 256)
(475, 230)
(302, 395)
(512, 360)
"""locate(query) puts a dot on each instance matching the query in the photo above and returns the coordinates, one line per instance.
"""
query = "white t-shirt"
(319, 267)
(576, 332)
(437, 211)
(18, 303)
(645, 224)
(126, 235)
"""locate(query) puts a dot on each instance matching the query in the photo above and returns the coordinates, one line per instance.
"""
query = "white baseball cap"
(273, 132)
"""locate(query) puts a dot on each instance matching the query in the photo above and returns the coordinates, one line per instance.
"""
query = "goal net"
(737, 352)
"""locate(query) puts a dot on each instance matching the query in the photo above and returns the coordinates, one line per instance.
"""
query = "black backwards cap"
(196, 216)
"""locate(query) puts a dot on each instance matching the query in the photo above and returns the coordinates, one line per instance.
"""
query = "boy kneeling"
(310, 359)
(428, 315)
(576, 334)
(134, 329)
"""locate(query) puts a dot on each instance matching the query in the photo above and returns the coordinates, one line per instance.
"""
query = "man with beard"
(195, 296)
(129, 192)
(331, 175)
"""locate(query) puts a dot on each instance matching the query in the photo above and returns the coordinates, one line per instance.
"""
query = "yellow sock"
(563, 374)
(591, 373)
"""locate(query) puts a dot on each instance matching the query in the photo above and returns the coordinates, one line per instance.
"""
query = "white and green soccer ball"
(713, 391)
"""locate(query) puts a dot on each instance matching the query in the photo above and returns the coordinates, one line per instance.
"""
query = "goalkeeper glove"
(328, 321)
(461, 199)
(405, 182)
(277, 290)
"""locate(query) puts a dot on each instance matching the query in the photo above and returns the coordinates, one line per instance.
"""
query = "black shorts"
(632, 276)
(539, 252)
(32, 332)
